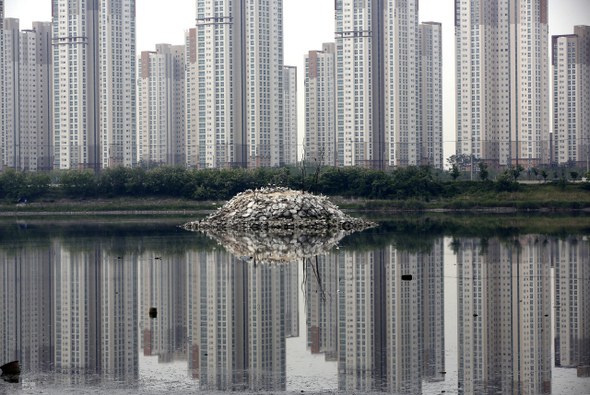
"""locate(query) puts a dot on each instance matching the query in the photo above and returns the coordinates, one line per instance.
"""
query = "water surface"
(418, 305)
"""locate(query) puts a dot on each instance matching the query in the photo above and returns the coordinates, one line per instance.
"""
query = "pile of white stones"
(277, 209)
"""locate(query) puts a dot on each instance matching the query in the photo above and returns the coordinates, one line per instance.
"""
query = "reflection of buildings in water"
(321, 294)
(292, 300)
(237, 322)
(26, 330)
(386, 333)
(163, 286)
(95, 315)
(414, 318)
(119, 318)
(504, 333)
(572, 302)
(70, 311)
(77, 312)
(355, 321)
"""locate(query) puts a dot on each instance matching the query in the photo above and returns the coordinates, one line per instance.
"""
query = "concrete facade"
(320, 105)
(387, 67)
(502, 81)
(571, 98)
(26, 86)
(161, 98)
(94, 83)
(235, 85)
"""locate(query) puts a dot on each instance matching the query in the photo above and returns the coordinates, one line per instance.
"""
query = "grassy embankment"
(461, 195)
(60, 204)
(468, 196)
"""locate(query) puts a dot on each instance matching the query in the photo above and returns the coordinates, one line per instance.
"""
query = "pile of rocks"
(279, 210)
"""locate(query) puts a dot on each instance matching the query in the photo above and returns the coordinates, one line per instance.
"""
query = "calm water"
(493, 307)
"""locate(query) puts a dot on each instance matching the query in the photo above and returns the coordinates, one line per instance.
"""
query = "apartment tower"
(290, 114)
(502, 81)
(235, 85)
(2, 84)
(571, 98)
(320, 105)
(26, 75)
(429, 141)
(380, 84)
(94, 83)
(161, 98)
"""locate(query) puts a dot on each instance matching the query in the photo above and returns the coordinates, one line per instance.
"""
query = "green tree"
(505, 182)
(535, 172)
(16, 184)
(113, 181)
(455, 172)
(13, 184)
(37, 184)
(514, 171)
(483, 173)
(544, 174)
(573, 174)
(79, 183)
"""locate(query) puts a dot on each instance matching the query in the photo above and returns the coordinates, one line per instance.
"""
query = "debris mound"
(276, 209)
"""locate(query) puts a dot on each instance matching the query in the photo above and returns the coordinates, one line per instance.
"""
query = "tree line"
(412, 182)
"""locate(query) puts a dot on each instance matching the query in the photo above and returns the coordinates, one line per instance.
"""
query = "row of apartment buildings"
(75, 95)
(503, 86)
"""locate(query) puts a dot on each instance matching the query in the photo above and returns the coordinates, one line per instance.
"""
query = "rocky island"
(276, 209)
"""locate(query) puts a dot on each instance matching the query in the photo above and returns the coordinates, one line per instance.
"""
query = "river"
(420, 305)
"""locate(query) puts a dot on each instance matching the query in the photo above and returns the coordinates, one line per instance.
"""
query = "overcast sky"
(307, 24)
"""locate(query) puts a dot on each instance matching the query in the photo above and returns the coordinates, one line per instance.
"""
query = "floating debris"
(11, 372)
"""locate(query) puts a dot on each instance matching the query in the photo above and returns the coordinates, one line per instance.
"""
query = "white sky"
(307, 24)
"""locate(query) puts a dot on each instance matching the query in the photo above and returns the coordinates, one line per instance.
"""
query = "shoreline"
(141, 206)
(478, 210)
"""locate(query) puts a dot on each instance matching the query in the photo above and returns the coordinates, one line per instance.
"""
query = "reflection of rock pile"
(277, 247)
(279, 209)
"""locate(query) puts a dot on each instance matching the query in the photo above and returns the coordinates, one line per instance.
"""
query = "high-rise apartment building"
(429, 141)
(235, 85)
(502, 81)
(94, 83)
(290, 141)
(161, 97)
(26, 86)
(2, 84)
(380, 85)
(571, 97)
(320, 105)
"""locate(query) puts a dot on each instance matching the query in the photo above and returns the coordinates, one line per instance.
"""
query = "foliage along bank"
(419, 183)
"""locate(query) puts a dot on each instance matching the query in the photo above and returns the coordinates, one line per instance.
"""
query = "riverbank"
(460, 196)
(547, 200)
(109, 206)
